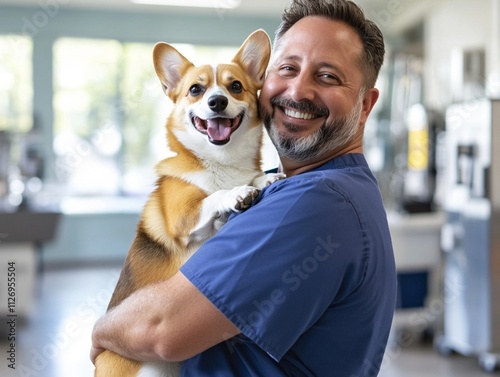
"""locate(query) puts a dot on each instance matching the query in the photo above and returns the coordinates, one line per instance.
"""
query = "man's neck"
(291, 168)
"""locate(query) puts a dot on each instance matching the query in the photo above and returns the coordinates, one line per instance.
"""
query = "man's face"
(312, 101)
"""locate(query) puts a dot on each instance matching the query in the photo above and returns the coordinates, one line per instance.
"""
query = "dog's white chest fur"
(159, 369)
(219, 177)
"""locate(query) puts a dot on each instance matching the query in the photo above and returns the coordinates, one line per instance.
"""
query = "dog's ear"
(170, 65)
(253, 56)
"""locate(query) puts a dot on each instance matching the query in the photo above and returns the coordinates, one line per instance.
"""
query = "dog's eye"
(195, 90)
(236, 87)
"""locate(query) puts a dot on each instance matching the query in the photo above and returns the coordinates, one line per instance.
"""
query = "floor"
(56, 341)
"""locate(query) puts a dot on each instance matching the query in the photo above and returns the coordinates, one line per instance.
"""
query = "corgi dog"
(216, 135)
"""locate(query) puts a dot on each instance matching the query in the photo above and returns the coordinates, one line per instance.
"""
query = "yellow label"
(418, 149)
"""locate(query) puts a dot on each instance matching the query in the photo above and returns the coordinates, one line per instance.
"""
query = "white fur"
(217, 176)
(159, 369)
(216, 209)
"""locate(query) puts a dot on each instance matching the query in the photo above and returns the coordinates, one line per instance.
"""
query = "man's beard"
(331, 135)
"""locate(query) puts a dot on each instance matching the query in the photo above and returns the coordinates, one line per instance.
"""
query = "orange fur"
(110, 364)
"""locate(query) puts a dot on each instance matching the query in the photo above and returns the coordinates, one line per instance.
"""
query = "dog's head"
(214, 102)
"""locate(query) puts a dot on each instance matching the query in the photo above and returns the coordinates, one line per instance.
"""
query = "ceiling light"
(218, 4)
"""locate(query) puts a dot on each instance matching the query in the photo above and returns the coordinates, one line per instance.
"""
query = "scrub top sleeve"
(276, 268)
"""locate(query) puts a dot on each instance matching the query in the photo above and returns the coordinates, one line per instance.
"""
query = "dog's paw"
(241, 197)
(267, 179)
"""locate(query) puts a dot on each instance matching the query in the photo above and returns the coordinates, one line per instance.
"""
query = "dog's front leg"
(267, 179)
(216, 209)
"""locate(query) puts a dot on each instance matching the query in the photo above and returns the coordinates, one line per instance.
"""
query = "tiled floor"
(56, 340)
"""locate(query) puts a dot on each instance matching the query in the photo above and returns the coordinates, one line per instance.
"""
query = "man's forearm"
(170, 320)
(129, 329)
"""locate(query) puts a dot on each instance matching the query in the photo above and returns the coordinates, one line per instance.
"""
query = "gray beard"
(331, 135)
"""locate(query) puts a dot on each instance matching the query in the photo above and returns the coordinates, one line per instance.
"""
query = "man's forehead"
(320, 36)
(319, 31)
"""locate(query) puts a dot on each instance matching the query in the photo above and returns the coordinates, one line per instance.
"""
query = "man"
(303, 282)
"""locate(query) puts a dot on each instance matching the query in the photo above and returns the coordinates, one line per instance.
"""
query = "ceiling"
(394, 17)
(253, 7)
(246, 7)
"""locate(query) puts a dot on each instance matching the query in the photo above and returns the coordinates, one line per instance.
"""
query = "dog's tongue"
(219, 129)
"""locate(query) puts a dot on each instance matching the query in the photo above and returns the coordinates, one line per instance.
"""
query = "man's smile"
(299, 115)
(303, 110)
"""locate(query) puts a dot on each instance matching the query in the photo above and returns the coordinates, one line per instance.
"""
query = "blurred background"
(82, 118)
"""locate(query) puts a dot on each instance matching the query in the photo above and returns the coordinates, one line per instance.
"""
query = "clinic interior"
(81, 128)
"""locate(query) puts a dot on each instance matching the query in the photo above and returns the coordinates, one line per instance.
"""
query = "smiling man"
(319, 90)
(303, 283)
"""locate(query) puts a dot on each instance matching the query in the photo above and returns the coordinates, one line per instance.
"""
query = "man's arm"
(170, 320)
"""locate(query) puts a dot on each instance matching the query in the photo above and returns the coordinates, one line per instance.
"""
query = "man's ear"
(369, 99)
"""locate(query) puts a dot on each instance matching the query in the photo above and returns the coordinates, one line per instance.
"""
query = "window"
(110, 112)
(16, 87)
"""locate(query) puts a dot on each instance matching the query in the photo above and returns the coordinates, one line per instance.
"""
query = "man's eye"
(329, 78)
(287, 70)
(236, 87)
(196, 90)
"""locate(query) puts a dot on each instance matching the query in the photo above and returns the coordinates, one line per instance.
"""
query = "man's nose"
(301, 87)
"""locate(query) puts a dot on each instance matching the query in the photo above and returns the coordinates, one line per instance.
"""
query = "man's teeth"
(298, 115)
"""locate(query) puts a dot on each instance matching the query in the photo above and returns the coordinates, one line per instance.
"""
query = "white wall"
(451, 25)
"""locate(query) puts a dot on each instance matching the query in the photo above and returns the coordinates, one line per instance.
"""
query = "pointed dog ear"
(253, 56)
(170, 65)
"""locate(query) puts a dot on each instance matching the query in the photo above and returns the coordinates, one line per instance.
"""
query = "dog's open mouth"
(218, 130)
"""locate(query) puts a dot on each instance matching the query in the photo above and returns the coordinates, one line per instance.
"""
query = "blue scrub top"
(306, 273)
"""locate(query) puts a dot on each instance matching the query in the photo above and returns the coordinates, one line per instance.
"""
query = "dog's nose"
(217, 103)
